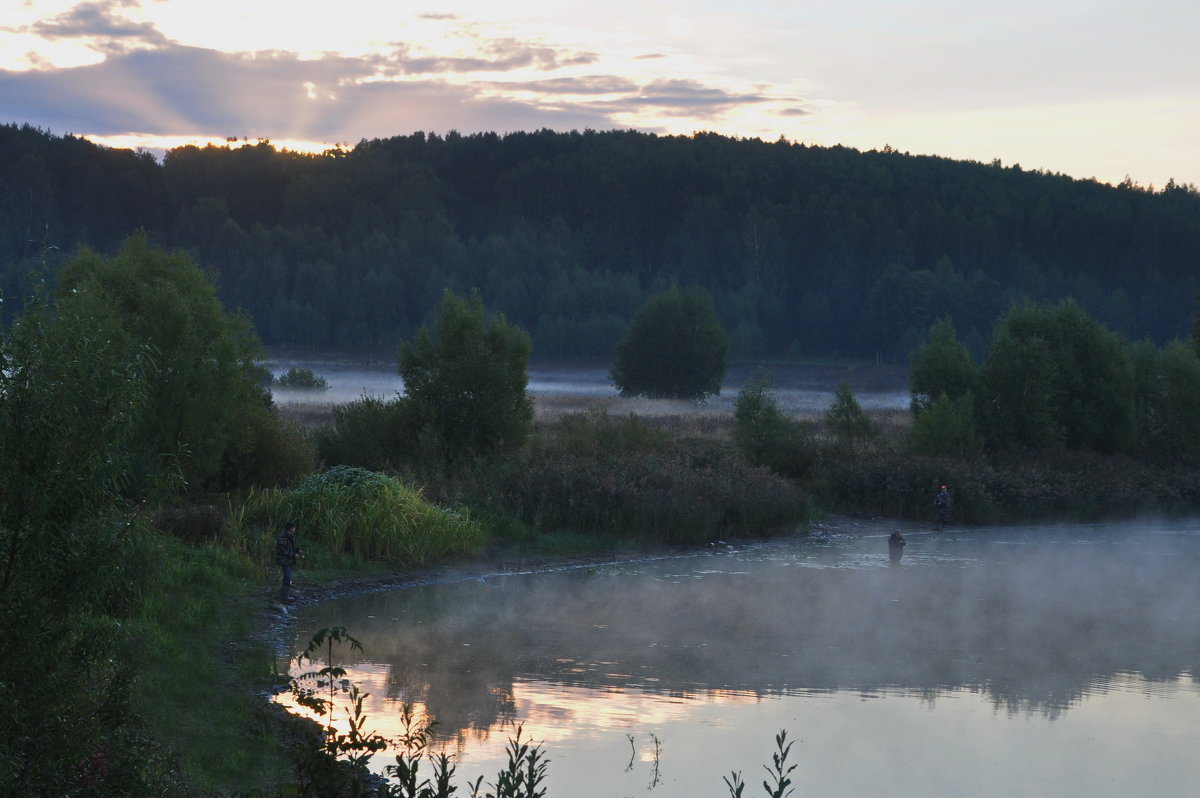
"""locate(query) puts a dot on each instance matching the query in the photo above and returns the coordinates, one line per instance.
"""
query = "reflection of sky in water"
(349, 381)
(1052, 661)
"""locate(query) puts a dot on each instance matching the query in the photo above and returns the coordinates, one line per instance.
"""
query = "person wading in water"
(941, 508)
(896, 545)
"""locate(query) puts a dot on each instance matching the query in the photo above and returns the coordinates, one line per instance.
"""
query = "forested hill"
(806, 250)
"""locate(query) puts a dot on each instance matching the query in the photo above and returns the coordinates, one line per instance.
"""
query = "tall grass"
(362, 513)
(886, 478)
(195, 652)
(594, 474)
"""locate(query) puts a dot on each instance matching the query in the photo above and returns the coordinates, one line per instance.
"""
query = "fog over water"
(1045, 661)
(799, 389)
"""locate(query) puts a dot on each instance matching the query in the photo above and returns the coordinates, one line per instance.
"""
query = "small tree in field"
(941, 366)
(846, 418)
(675, 347)
(465, 382)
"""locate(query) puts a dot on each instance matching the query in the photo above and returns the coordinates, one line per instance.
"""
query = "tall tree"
(1053, 374)
(71, 396)
(208, 394)
(674, 347)
(465, 382)
(941, 366)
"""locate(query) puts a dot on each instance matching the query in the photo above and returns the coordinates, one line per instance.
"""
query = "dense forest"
(806, 251)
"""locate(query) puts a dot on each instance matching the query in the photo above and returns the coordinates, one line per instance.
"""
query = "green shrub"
(370, 515)
(940, 366)
(846, 419)
(301, 378)
(766, 437)
(465, 381)
(371, 433)
(596, 430)
(886, 478)
(274, 452)
(946, 426)
(692, 491)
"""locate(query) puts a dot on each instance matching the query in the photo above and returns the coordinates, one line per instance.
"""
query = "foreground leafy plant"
(333, 763)
(778, 784)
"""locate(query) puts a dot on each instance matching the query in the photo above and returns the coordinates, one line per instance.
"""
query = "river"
(1024, 660)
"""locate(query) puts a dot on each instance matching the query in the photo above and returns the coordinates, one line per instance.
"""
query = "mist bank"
(1032, 618)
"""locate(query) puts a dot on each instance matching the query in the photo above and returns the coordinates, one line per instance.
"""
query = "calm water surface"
(1039, 661)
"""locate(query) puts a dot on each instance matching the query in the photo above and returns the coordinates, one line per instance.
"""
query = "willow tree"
(207, 401)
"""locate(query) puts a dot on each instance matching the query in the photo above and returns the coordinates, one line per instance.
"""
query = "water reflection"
(1015, 623)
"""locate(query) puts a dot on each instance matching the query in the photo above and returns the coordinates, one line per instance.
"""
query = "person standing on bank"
(286, 554)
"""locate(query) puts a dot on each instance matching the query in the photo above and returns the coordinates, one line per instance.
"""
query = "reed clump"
(597, 474)
(887, 478)
(365, 514)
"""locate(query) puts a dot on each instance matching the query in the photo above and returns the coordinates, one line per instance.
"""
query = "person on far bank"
(896, 545)
(941, 508)
(286, 553)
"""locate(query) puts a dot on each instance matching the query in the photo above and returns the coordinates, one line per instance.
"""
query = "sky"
(1104, 89)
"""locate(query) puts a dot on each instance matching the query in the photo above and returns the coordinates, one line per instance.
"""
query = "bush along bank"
(883, 477)
(604, 479)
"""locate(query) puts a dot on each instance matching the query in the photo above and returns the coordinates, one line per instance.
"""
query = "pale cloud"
(100, 22)
(584, 84)
(1111, 84)
(687, 95)
(497, 55)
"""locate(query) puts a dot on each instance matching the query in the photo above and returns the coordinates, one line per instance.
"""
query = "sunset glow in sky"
(1090, 88)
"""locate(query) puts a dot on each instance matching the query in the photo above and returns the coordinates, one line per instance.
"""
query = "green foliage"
(369, 515)
(846, 419)
(465, 383)
(597, 431)
(273, 452)
(73, 556)
(371, 433)
(1167, 385)
(207, 393)
(687, 492)
(568, 233)
(1055, 376)
(889, 479)
(900, 304)
(1196, 328)
(674, 347)
(332, 763)
(941, 366)
(946, 427)
(301, 378)
(778, 783)
(766, 437)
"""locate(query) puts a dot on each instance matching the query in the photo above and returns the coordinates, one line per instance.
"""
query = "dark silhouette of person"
(286, 554)
(941, 508)
(896, 545)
